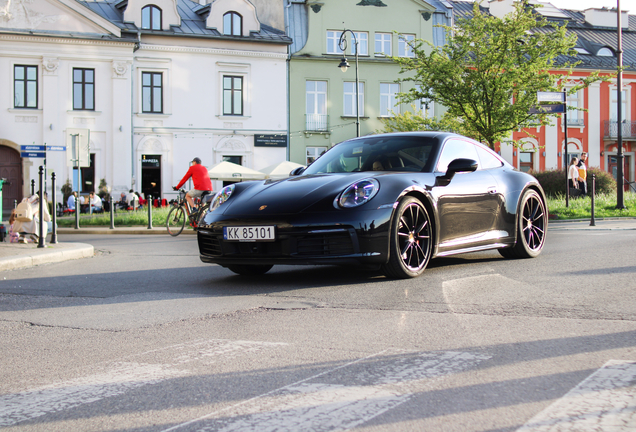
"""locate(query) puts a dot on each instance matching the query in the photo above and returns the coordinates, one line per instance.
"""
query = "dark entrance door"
(10, 169)
(613, 168)
(151, 175)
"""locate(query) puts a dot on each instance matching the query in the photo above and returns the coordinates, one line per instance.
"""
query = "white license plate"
(249, 233)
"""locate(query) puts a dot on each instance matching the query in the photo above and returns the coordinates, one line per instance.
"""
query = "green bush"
(553, 181)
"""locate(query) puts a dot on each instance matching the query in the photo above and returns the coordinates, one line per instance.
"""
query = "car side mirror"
(456, 166)
(297, 171)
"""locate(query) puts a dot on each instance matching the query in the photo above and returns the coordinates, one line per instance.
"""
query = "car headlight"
(222, 196)
(359, 193)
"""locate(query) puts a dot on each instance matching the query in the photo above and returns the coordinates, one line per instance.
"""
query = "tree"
(489, 72)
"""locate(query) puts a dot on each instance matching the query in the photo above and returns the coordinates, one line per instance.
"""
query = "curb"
(51, 254)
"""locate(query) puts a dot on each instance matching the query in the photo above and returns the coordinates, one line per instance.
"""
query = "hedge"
(553, 181)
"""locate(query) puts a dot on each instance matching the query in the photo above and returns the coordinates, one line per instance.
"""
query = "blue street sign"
(32, 148)
(550, 96)
(55, 148)
(546, 109)
(33, 154)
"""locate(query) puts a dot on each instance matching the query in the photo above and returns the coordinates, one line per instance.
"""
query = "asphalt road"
(145, 337)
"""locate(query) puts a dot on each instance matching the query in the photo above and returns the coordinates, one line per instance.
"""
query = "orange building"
(594, 130)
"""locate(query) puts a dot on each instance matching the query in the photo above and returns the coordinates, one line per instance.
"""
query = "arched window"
(232, 24)
(151, 18)
(605, 52)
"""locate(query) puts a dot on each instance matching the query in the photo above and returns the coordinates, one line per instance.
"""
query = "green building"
(322, 99)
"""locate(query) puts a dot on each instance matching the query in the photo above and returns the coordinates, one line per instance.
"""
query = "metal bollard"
(32, 187)
(593, 221)
(112, 216)
(41, 231)
(15, 203)
(54, 216)
(149, 203)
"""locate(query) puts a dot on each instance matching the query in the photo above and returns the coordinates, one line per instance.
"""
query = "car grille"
(209, 245)
(336, 242)
(325, 244)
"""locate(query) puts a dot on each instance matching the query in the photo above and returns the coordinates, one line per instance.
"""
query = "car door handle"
(492, 190)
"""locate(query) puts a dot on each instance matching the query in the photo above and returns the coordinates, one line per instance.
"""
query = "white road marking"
(335, 400)
(118, 378)
(605, 401)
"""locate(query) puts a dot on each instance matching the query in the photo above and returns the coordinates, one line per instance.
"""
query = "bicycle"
(180, 208)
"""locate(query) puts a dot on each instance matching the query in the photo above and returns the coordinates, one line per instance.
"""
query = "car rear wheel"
(531, 227)
(249, 269)
(410, 240)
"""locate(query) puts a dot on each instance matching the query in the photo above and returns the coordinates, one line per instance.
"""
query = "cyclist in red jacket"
(200, 180)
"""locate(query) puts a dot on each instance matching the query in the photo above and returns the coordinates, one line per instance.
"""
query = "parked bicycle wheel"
(176, 221)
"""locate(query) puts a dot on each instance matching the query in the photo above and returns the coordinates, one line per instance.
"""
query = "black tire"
(410, 240)
(175, 221)
(532, 224)
(250, 269)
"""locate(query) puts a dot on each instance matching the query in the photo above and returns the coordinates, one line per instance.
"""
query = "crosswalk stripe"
(120, 377)
(340, 398)
(605, 401)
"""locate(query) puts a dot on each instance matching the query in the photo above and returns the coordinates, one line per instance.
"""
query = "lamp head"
(344, 64)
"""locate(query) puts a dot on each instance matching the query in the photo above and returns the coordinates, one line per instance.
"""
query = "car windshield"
(379, 153)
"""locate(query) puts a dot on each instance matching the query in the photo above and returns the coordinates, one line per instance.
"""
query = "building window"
(614, 105)
(605, 52)
(383, 44)
(238, 160)
(363, 43)
(232, 95)
(575, 117)
(151, 18)
(333, 37)
(388, 99)
(25, 85)
(350, 98)
(152, 92)
(314, 153)
(83, 89)
(316, 108)
(232, 24)
(526, 161)
(404, 49)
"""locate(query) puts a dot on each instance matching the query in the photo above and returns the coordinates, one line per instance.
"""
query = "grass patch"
(122, 218)
(581, 208)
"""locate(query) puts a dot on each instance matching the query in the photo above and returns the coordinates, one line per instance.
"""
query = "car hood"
(292, 195)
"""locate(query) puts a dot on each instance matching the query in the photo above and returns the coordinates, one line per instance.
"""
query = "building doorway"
(151, 175)
(613, 168)
(11, 170)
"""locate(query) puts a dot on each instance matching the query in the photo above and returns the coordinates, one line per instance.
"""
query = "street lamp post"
(620, 157)
(344, 65)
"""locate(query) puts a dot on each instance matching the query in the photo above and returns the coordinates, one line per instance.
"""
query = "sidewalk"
(14, 256)
(607, 224)
(17, 255)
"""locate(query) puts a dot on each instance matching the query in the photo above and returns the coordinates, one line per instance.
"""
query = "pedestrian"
(583, 173)
(573, 177)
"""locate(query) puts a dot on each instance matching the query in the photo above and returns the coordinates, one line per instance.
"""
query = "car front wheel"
(410, 240)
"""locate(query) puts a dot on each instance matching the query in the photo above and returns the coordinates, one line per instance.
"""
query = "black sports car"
(391, 201)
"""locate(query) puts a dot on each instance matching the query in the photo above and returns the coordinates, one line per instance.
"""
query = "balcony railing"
(316, 122)
(628, 129)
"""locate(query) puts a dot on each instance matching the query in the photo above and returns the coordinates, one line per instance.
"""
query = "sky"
(627, 5)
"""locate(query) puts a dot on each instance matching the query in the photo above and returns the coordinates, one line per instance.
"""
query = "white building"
(150, 83)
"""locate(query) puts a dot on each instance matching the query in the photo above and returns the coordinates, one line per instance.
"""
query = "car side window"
(456, 149)
(487, 159)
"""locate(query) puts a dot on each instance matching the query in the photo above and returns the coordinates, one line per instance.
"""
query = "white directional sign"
(550, 97)
(78, 147)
